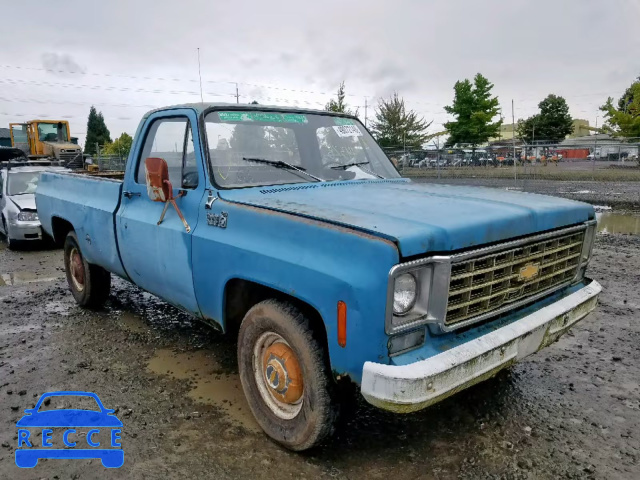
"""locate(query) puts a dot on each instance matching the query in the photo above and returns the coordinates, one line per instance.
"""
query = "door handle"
(131, 194)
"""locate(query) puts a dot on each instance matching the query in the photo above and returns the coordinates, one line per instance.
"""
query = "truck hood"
(420, 217)
(25, 201)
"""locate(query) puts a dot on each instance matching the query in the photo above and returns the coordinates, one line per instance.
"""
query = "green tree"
(120, 146)
(624, 121)
(474, 110)
(339, 104)
(526, 129)
(394, 126)
(552, 124)
(97, 132)
(250, 140)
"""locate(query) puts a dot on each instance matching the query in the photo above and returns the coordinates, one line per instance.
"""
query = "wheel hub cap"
(77, 269)
(282, 373)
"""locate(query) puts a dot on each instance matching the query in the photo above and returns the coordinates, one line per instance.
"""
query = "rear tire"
(90, 284)
(285, 375)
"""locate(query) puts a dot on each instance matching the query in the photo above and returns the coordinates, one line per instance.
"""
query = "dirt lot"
(618, 195)
(570, 411)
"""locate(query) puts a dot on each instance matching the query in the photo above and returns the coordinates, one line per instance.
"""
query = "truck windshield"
(20, 183)
(52, 132)
(322, 146)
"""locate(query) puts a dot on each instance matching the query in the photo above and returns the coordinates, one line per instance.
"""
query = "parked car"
(333, 268)
(19, 220)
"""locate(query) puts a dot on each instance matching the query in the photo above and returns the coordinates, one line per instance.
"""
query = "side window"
(1, 185)
(171, 139)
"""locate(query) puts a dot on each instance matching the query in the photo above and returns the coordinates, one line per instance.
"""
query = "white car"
(18, 216)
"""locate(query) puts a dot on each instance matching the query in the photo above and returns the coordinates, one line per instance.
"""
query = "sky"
(127, 57)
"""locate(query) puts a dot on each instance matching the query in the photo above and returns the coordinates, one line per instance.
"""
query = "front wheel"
(285, 375)
(89, 284)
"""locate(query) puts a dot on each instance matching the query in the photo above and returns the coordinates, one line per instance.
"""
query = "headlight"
(27, 216)
(405, 292)
(587, 247)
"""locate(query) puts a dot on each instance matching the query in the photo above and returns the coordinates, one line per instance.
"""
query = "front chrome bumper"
(407, 388)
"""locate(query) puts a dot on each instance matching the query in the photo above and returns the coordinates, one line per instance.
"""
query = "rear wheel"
(285, 375)
(89, 284)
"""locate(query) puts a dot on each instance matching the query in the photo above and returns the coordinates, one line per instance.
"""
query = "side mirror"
(159, 187)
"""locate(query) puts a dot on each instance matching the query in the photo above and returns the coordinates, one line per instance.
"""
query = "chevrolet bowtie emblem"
(528, 272)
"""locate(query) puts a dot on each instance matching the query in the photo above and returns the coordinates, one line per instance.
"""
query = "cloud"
(62, 65)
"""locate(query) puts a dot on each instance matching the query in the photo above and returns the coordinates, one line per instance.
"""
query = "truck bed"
(88, 202)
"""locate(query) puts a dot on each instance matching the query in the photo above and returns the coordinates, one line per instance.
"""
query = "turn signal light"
(342, 324)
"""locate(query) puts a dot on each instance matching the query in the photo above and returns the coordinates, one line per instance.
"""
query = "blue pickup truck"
(292, 228)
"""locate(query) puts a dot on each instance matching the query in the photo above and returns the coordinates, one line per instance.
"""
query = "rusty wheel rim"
(76, 267)
(278, 375)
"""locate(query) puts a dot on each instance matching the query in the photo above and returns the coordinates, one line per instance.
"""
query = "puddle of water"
(21, 278)
(212, 385)
(618, 223)
(132, 323)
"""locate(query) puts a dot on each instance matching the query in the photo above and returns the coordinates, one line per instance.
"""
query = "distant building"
(581, 128)
(506, 133)
(5, 137)
(604, 145)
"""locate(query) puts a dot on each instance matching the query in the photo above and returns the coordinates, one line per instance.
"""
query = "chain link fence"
(578, 160)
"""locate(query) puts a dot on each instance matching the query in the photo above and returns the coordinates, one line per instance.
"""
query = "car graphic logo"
(528, 272)
(30, 450)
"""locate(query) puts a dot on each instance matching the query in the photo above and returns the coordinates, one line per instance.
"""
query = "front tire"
(90, 284)
(285, 375)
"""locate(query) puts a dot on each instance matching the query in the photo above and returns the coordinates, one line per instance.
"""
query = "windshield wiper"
(347, 165)
(356, 164)
(281, 164)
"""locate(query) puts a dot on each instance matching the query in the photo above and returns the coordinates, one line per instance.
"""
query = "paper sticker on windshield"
(347, 131)
(235, 116)
(294, 118)
(342, 121)
(268, 117)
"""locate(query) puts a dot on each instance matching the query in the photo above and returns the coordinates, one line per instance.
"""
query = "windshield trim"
(269, 108)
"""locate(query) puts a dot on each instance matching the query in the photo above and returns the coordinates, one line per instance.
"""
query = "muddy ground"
(570, 411)
(618, 195)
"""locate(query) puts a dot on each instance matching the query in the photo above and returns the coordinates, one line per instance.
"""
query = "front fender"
(316, 262)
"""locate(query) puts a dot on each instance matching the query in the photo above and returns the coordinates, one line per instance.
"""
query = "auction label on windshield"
(347, 131)
(342, 121)
(268, 117)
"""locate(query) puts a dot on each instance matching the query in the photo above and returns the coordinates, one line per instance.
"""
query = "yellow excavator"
(46, 139)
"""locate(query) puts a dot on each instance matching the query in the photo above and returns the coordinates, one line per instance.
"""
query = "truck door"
(158, 257)
(20, 137)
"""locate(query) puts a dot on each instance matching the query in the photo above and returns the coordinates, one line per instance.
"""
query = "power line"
(35, 83)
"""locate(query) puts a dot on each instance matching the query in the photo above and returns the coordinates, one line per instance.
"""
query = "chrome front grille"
(66, 157)
(486, 283)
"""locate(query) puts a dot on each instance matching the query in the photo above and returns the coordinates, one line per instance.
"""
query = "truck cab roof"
(204, 106)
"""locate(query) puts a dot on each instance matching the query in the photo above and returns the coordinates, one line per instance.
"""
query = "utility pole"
(365, 111)
(200, 77)
(513, 126)
(595, 147)
(438, 155)
(237, 94)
